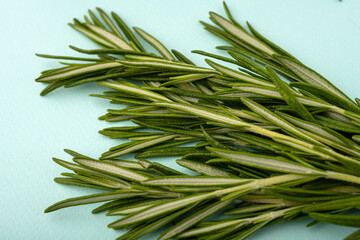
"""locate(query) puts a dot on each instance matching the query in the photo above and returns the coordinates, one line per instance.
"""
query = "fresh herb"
(265, 150)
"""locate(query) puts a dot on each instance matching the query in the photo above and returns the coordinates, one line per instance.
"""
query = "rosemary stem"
(258, 184)
(343, 177)
(304, 146)
(242, 222)
(274, 214)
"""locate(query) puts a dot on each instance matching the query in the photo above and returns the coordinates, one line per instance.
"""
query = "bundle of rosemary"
(269, 140)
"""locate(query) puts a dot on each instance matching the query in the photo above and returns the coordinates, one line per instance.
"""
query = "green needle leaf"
(240, 33)
(354, 236)
(128, 33)
(155, 43)
(111, 169)
(269, 43)
(272, 93)
(289, 96)
(338, 124)
(213, 228)
(198, 181)
(181, 57)
(344, 220)
(126, 164)
(164, 170)
(185, 79)
(137, 146)
(249, 231)
(357, 101)
(98, 181)
(317, 129)
(100, 197)
(310, 76)
(95, 20)
(165, 65)
(93, 36)
(194, 219)
(203, 168)
(248, 64)
(262, 161)
(252, 209)
(132, 89)
(272, 117)
(161, 209)
(78, 183)
(148, 228)
(109, 22)
(114, 204)
(356, 138)
(237, 75)
(205, 113)
(177, 151)
(231, 17)
(110, 37)
(327, 95)
(353, 202)
(75, 154)
(84, 69)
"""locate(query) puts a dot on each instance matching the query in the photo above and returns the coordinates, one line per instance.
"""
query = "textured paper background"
(324, 34)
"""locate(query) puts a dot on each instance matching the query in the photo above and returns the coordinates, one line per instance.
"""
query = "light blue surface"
(324, 34)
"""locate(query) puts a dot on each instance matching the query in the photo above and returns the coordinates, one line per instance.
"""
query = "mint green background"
(324, 34)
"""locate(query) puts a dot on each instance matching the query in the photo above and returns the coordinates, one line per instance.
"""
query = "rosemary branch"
(264, 149)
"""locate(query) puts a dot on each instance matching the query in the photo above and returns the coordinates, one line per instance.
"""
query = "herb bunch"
(270, 140)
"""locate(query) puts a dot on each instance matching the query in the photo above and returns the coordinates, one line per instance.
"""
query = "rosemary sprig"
(265, 150)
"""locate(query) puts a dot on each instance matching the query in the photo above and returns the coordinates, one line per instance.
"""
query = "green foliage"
(262, 149)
